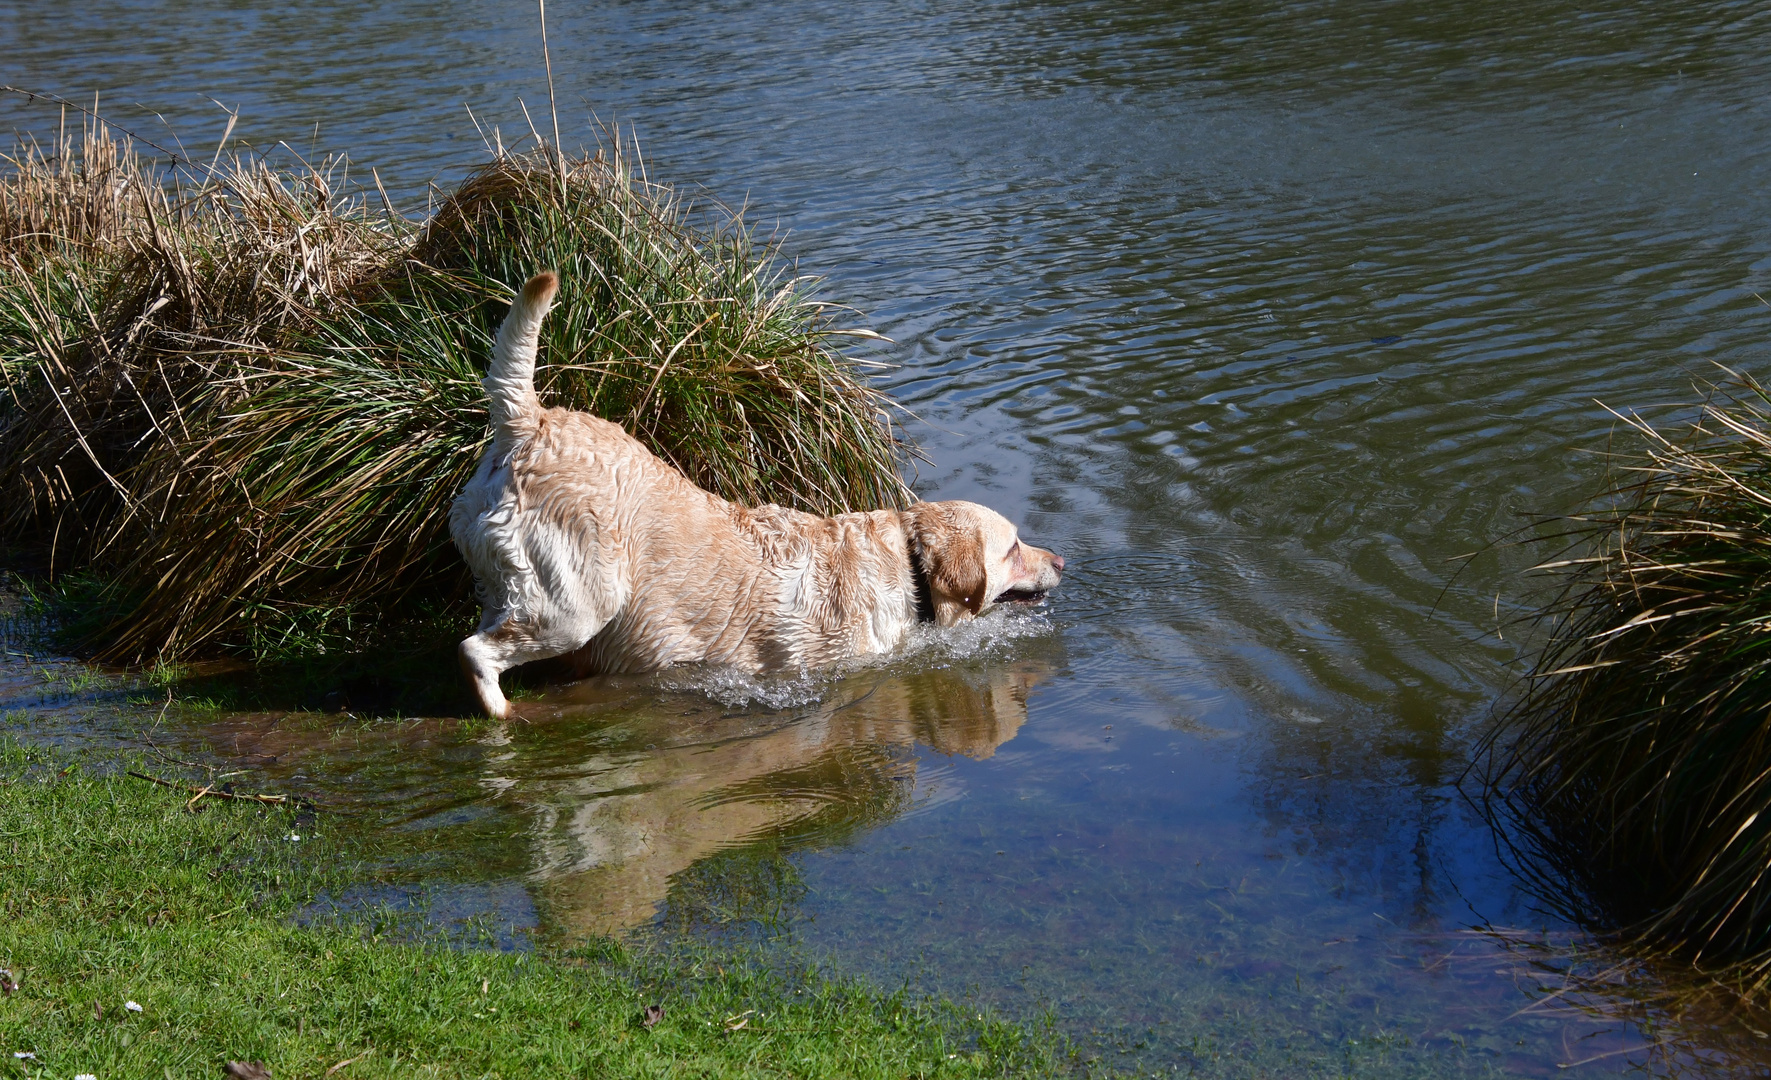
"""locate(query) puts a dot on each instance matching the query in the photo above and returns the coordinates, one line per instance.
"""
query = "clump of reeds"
(243, 399)
(126, 290)
(1638, 762)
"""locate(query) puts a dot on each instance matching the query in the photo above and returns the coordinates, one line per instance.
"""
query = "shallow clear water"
(1261, 315)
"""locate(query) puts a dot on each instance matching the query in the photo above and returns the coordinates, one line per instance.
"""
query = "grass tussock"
(240, 398)
(1638, 762)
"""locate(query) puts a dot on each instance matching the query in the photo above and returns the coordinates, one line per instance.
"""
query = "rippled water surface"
(1260, 314)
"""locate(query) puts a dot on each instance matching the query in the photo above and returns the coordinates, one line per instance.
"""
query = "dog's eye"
(1012, 549)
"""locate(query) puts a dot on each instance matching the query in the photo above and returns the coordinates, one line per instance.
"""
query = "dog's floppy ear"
(949, 549)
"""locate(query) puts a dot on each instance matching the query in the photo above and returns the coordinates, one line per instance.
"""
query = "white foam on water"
(926, 646)
(994, 634)
(740, 689)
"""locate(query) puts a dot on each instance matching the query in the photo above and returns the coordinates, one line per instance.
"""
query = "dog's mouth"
(1027, 597)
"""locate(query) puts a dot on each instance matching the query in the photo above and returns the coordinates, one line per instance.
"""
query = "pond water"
(1260, 314)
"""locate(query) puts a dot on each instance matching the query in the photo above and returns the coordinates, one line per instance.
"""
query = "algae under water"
(1259, 315)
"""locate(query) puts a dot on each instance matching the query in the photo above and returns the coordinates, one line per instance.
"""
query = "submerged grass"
(241, 399)
(1637, 765)
(116, 894)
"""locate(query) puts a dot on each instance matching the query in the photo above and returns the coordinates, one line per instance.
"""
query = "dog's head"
(973, 559)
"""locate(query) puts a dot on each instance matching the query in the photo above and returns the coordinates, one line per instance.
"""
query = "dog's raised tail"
(510, 381)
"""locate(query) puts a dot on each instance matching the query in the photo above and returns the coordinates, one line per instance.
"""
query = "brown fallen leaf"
(654, 1013)
(7, 983)
(247, 1070)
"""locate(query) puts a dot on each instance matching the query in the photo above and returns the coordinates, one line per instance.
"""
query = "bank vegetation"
(1636, 767)
(144, 933)
(239, 395)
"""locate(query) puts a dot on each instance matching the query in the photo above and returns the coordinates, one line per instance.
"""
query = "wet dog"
(582, 541)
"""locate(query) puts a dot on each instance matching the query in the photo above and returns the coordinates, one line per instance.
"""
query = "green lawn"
(112, 892)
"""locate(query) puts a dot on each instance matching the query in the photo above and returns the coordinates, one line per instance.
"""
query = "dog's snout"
(1057, 561)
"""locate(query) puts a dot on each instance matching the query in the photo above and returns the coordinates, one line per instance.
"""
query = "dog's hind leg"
(497, 649)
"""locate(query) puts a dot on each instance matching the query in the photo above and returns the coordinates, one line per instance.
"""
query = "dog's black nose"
(1057, 561)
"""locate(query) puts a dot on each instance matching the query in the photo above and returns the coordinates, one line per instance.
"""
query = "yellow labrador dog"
(582, 541)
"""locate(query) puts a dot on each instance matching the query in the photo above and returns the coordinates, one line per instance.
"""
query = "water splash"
(995, 635)
(741, 690)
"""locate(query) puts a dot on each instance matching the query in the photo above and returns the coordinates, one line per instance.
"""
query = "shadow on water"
(617, 831)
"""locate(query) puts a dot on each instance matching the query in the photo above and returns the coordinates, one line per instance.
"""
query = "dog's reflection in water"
(612, 830)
